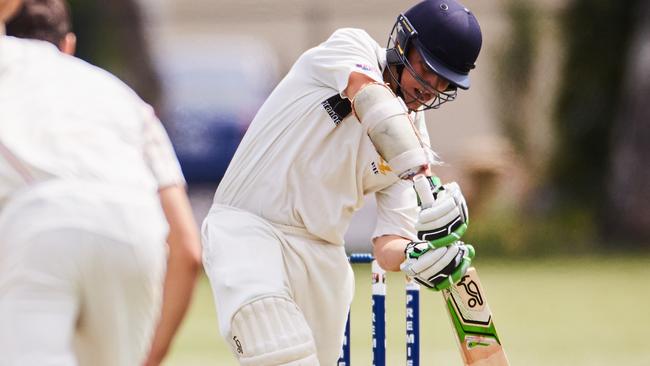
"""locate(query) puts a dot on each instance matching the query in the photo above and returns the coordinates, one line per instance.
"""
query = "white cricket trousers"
(81, 271)
(247, 258)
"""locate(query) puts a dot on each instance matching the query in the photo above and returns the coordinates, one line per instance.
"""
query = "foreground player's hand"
(437, 268)
(443, 220)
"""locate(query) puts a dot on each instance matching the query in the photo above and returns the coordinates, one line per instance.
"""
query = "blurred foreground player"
(49, 20)
(87, 180)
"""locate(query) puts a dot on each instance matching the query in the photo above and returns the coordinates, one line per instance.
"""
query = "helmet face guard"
(402, 38)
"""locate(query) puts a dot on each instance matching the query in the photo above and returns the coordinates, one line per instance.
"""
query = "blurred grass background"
(572, 311)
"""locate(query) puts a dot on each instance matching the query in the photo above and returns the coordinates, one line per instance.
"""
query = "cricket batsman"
(346, 121)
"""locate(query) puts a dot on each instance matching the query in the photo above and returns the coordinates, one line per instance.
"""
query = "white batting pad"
(272, 331)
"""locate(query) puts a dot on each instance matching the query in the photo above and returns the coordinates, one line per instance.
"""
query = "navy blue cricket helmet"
(445, 34)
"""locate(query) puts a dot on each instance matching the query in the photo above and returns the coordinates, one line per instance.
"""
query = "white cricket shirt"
(305, 161)
(63, 118)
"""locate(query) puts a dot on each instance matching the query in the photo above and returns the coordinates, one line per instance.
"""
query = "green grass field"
(551, 312)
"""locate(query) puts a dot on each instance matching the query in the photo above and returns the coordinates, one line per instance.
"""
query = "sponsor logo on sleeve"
(380, 167)
(384, 168)
(374, 168)
(365, 67)
(337, 108)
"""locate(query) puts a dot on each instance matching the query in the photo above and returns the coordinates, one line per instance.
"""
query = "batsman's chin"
(413, 105)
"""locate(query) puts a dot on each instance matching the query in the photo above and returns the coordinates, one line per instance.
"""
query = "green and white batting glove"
(437, 268)
(443, 220)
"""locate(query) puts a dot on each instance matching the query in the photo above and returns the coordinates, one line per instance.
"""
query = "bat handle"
(423, 188)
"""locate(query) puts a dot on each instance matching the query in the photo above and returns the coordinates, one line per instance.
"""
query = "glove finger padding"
(432, 261)
(446, 220)
(437, 268)
(454, 190)
(459, 272)
(439, 215)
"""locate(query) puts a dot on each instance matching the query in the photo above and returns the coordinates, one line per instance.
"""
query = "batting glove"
(445, 221)
(437, 268)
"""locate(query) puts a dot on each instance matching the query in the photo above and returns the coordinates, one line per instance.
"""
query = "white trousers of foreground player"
(277, 289)
(81, 271)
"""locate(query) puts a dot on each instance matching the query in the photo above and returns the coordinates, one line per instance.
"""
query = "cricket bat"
(469, 312)
(472, 321)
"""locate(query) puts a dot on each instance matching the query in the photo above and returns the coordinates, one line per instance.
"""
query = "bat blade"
(472, 320)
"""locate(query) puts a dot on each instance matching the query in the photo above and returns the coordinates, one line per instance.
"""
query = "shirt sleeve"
(397, 210)
(347, 50)
(159, 153)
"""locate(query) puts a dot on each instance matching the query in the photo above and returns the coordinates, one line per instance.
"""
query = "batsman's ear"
(68, 44)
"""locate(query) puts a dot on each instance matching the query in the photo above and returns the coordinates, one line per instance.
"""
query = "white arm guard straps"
(385, 118)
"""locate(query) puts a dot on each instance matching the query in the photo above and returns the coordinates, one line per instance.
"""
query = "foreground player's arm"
(184, 260)
(183, 268)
